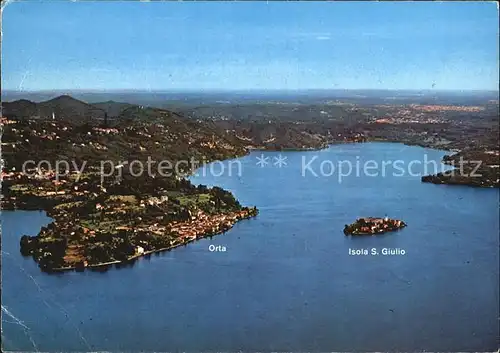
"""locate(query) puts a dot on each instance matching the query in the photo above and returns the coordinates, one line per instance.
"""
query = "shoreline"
(368, 140)
(133, 258)
(227, 222)
(14, 206)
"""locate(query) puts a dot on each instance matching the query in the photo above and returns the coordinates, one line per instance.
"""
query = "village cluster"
(372, 225)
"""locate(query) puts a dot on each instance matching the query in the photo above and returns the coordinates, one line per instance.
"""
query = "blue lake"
(286, 281)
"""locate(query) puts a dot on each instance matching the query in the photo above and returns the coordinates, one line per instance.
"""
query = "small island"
(373, 225)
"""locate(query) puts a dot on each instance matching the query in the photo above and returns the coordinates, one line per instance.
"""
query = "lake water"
(286, 281)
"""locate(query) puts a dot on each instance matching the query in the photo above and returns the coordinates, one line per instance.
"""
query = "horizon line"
(228, 90)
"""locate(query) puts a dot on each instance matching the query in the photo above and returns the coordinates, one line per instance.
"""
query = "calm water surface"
(286, 281)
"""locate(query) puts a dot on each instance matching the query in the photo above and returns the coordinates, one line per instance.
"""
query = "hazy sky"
(243, 45)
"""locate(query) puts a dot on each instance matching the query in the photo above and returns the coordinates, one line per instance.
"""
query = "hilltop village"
(116, 218)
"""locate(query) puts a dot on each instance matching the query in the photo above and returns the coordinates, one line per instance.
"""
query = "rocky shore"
(372, 226)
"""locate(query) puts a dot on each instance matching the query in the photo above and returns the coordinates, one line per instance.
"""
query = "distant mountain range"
(268, 125)
(173, 99)
(251, 134)
(66, 108)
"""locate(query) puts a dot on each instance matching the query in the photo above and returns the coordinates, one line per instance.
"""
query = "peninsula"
(113, 216)
(480, 168)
